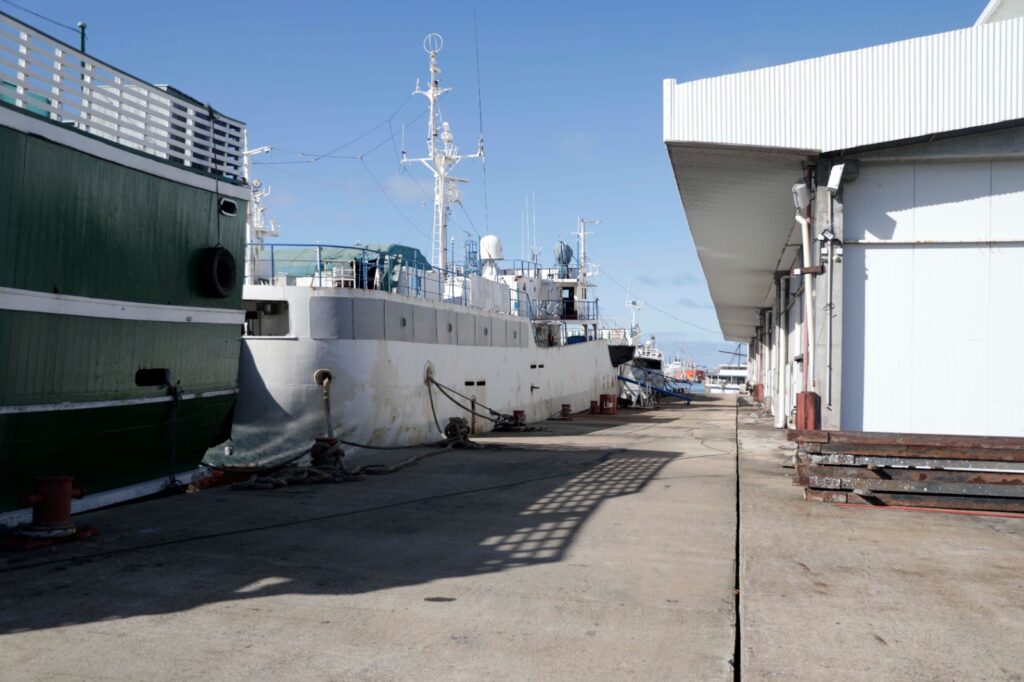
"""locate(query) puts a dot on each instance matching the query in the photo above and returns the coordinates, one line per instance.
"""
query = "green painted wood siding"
(64, 358)
(106, 448)
(76, 224)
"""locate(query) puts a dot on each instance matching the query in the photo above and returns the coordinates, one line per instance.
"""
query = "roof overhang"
(738, 142)
(740, 211)
(1000, 10)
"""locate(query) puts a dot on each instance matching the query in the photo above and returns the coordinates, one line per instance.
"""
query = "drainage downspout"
(805, 236)
(830, 305)
(780, 408)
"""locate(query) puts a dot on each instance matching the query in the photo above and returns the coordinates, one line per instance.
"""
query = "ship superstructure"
(385, 321)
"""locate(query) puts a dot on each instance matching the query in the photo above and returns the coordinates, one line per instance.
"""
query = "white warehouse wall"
(931, 298)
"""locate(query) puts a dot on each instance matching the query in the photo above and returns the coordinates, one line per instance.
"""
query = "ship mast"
(442, 155)
(256, 230)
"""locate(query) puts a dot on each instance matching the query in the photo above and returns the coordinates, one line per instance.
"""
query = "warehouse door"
(933, 274)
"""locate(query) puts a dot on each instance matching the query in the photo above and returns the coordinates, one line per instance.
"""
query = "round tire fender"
(217, 272)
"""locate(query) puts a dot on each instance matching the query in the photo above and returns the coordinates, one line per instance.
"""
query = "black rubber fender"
(217, 272)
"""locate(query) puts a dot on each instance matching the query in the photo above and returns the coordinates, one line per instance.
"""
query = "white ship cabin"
(557, 301)
(727, 378)
(859, 217)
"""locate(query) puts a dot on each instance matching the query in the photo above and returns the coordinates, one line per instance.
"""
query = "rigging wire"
(313, 158)
(41, 16)
(371, 130)
(480, 113)
(318, 181)
(394, 204)
(470, 219)
(654, 307)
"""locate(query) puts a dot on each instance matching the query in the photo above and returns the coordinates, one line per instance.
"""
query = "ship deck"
(601, 548)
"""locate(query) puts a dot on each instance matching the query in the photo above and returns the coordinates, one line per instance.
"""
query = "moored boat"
(410, 341)
(122, 215)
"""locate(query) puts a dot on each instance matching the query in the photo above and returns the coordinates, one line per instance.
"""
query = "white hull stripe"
(98, 404)
(82, 306)
(108, 497)
(94, 146)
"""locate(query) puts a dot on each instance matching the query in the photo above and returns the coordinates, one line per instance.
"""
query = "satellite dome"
(491, 248)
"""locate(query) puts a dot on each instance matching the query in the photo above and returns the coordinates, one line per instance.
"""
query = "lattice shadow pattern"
(555, 518)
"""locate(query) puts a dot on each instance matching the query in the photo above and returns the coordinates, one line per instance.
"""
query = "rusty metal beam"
(927, 451)
(913, 475)
(993, 504)
(909, 439)
(899, 485)
(925, 462)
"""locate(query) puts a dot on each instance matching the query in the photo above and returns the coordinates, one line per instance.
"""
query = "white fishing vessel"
(727, 379)
(409, 344)
(641, 371)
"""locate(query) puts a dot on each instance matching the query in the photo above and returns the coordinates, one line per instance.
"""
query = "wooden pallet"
(975, 473)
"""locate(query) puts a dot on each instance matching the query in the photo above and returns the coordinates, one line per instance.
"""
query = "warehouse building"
(860, 221)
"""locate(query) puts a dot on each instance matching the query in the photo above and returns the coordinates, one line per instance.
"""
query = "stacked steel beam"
(891, 469)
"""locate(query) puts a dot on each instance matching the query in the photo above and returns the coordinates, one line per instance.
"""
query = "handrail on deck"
(46, 77)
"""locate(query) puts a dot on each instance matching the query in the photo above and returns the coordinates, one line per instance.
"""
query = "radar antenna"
(256, 227)
(442, 155)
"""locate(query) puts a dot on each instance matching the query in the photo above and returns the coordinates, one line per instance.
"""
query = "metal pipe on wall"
(828, 310)
(805, 238)
(781, 343)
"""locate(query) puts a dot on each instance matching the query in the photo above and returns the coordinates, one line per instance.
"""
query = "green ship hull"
(98, 280)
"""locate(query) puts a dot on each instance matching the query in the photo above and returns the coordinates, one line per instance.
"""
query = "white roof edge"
(949, 81)
(986, 13)
(1000, 10)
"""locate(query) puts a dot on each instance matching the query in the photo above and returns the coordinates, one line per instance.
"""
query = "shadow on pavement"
(458, 514)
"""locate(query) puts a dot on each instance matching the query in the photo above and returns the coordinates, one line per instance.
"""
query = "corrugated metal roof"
(912, 88)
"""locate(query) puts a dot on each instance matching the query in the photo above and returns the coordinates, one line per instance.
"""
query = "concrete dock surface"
(604, 548)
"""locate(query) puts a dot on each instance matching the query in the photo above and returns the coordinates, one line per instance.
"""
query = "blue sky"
(571, 109)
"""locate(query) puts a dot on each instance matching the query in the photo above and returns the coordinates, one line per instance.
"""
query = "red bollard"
(50, 500)
(608, 403)
(51, 503)
(808, 411)
(566, 415)
(519, 417)
(595, 407)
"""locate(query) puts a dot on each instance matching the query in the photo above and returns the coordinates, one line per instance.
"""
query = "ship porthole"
(217, 272)
(228, 207)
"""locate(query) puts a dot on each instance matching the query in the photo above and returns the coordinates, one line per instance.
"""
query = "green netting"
(302, 261)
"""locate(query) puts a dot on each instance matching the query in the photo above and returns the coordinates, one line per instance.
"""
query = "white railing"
(48, 78)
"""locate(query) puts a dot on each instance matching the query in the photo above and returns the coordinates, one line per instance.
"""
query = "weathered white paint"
(107, 498)
(83, 306)
(943, 82)
(99, 404)
(940, 315)
(379, 396)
